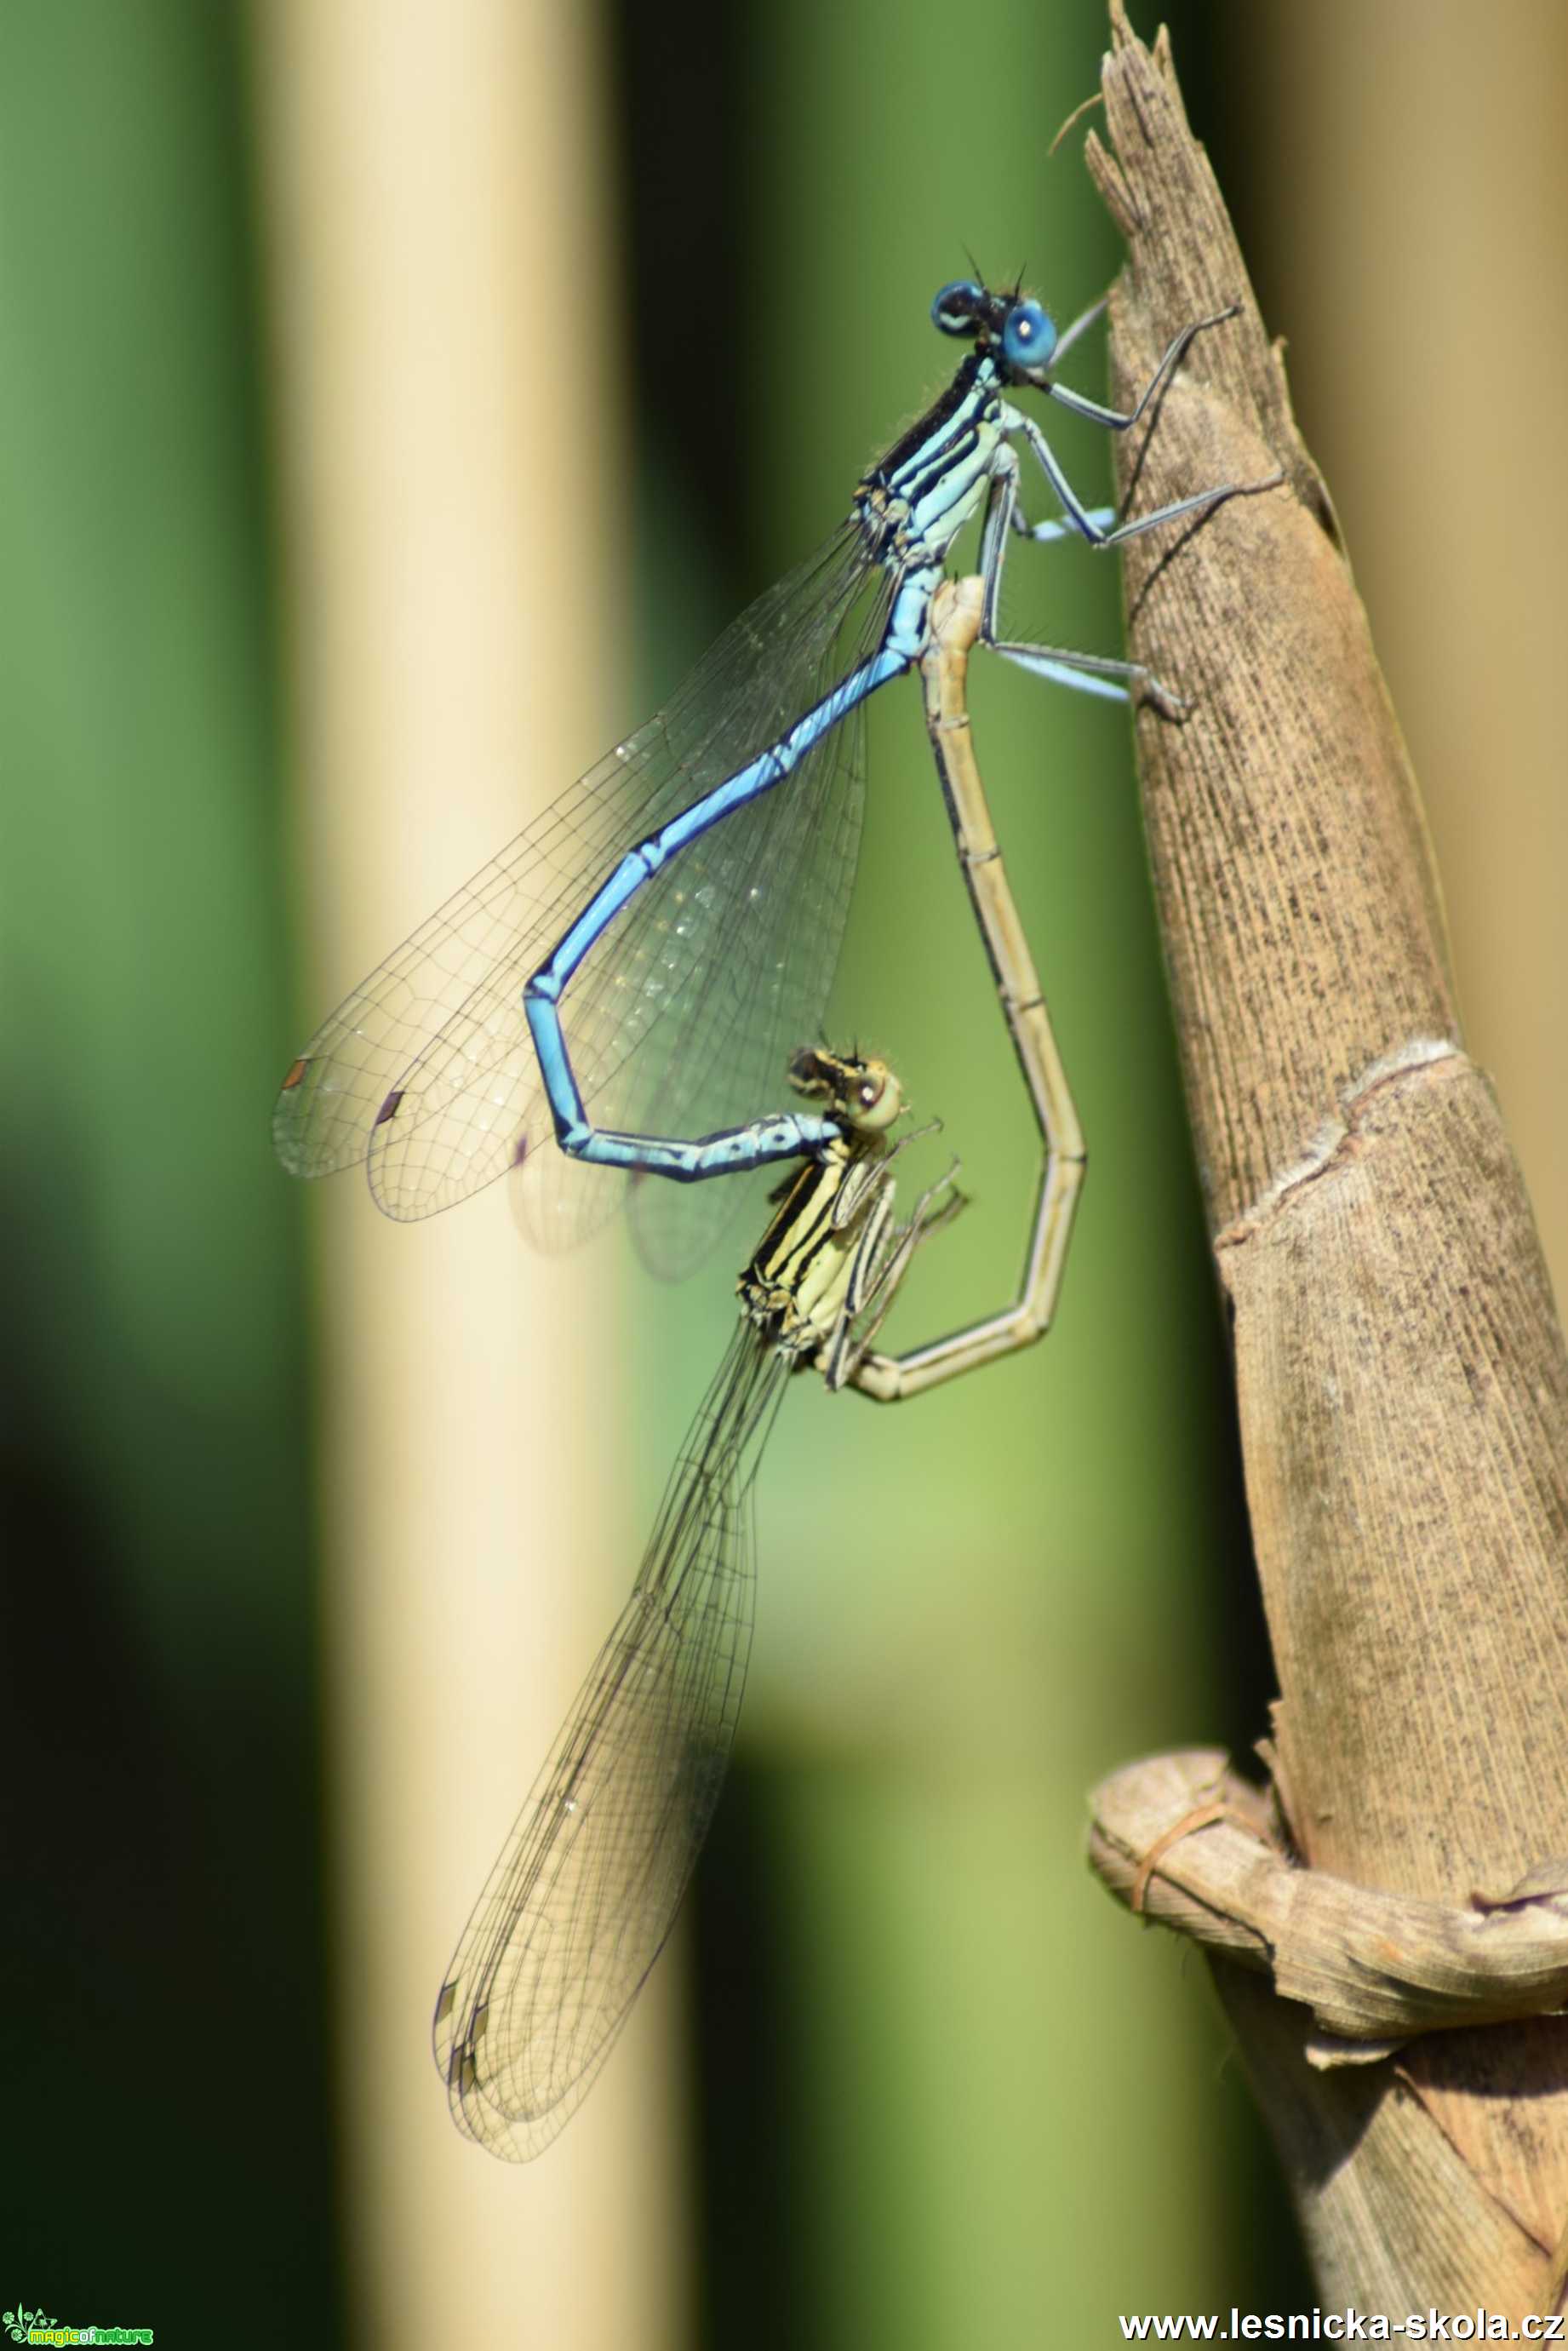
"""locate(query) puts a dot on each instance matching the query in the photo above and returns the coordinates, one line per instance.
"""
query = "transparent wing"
(579, 1905)
(707, 953)
(427, 1069)
(787, 863)
(769, 999)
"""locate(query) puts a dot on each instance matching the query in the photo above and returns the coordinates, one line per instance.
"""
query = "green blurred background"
(909, 2078)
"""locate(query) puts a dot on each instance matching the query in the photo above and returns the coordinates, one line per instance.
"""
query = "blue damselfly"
(692, 888)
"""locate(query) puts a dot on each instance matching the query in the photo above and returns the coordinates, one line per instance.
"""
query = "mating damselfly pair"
(690, 894)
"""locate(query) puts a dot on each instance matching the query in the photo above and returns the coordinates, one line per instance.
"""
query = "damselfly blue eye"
(958, 306)
(1029, 336)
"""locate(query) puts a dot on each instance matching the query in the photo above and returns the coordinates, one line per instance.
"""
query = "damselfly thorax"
(915, 501)
(811, 1270)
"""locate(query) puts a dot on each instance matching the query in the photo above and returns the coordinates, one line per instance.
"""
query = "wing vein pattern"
(725, 958)
(585, 1893)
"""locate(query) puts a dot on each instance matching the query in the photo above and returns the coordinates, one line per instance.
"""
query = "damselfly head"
(1013, 329)
(860, 1089)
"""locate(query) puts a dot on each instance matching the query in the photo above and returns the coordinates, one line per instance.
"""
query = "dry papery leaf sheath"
(1401, 1382)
